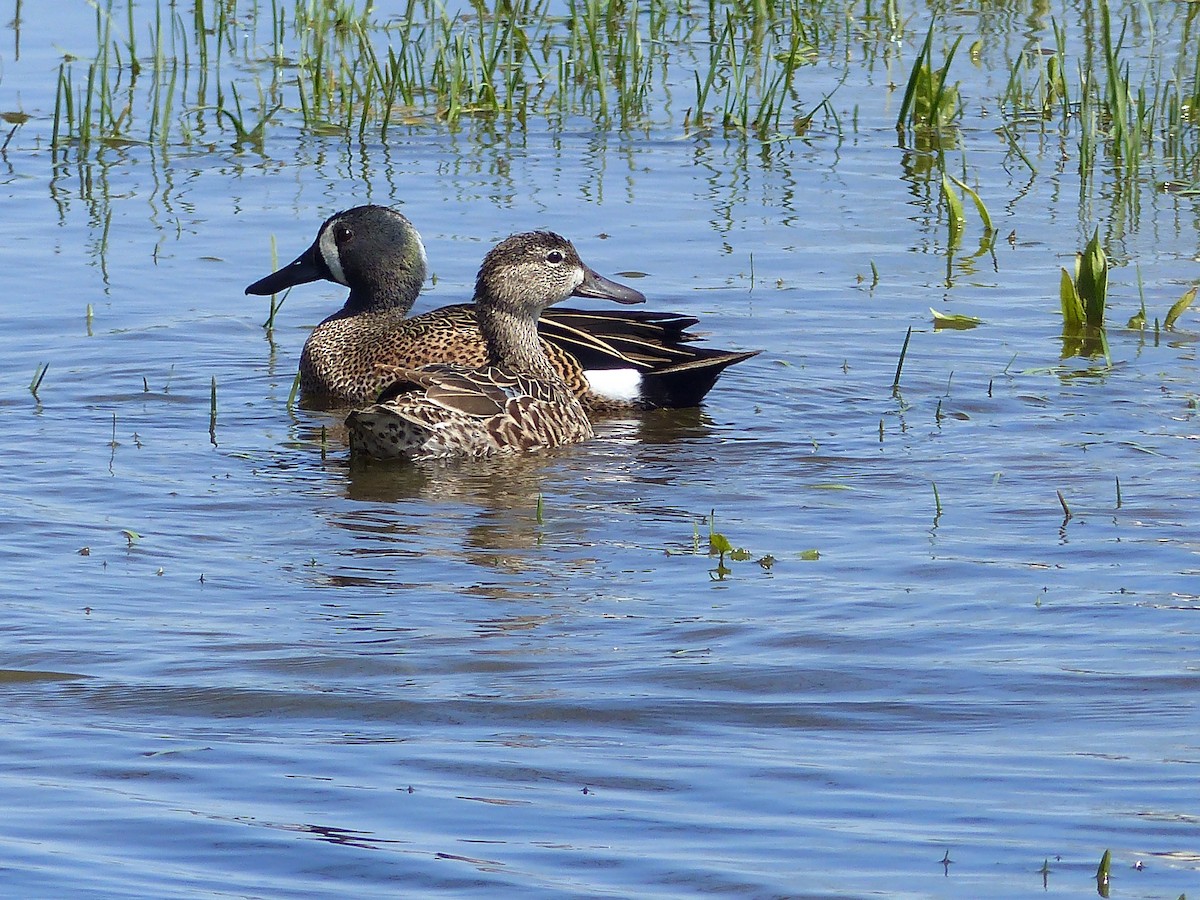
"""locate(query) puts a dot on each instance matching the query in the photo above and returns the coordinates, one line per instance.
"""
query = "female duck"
(517, 401)
(610, 360)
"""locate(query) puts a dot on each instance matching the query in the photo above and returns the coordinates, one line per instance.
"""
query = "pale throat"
(513, 343)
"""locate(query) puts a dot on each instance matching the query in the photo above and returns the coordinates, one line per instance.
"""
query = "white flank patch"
(615, 384)
(329, 253)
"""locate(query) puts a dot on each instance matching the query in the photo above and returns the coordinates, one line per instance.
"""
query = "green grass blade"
(1178, 309)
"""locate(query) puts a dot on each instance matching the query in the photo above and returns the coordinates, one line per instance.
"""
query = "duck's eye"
(554, 257)
(342, 233)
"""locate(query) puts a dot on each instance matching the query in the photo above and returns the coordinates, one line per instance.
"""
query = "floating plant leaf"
(944, 320)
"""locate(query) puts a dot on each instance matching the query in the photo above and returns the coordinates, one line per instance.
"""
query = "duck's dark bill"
(307, 267)
(596, 285)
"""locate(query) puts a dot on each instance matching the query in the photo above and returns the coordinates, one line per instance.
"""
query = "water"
(294, 677)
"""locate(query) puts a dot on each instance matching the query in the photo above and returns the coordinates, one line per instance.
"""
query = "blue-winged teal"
(611, 360)
(517, 401)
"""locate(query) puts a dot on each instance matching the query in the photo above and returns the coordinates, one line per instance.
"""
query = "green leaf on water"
(1102, 871)
(943, 320)
(718, 543)
(810, 555)
(1178, 309)
(131, 536)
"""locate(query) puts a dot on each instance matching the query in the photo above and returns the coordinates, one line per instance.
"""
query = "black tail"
(684, 385)
(675, 374)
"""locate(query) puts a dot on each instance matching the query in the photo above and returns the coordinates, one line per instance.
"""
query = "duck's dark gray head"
(526, 273)
(373, 250)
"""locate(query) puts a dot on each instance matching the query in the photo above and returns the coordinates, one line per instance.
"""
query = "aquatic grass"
(1062, 501)
(1104, 873)
(929, 100)
(1178, 308)
(900, 362)
(293, 393)
(212, 412)
(276, 304)
(38, 374)
(955, 220)
(1082, 299)
(254, 134)
(340, 71)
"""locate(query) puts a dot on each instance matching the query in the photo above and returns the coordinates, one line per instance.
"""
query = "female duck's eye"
(554, 257)
(342, 233)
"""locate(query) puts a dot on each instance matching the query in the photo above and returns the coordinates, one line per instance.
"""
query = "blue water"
(297, 678)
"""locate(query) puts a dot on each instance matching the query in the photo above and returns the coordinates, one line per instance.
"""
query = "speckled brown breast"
(340, 362)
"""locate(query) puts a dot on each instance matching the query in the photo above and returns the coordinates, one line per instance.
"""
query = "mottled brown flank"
(349, 359)
(416, 426)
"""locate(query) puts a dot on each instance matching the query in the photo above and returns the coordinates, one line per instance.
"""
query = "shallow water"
(294, 676)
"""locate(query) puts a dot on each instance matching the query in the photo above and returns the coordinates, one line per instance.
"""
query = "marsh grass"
(38, 375)
(212, 411)
(1083, 299)
(340, 68)
(900, 363)
(930, 101)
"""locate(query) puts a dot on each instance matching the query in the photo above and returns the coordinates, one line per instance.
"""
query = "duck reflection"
(485, 513)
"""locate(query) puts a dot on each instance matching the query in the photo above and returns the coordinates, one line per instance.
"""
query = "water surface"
(236, 665)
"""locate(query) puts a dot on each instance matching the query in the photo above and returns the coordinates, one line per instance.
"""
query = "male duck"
(610, 360)
(517, 401)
